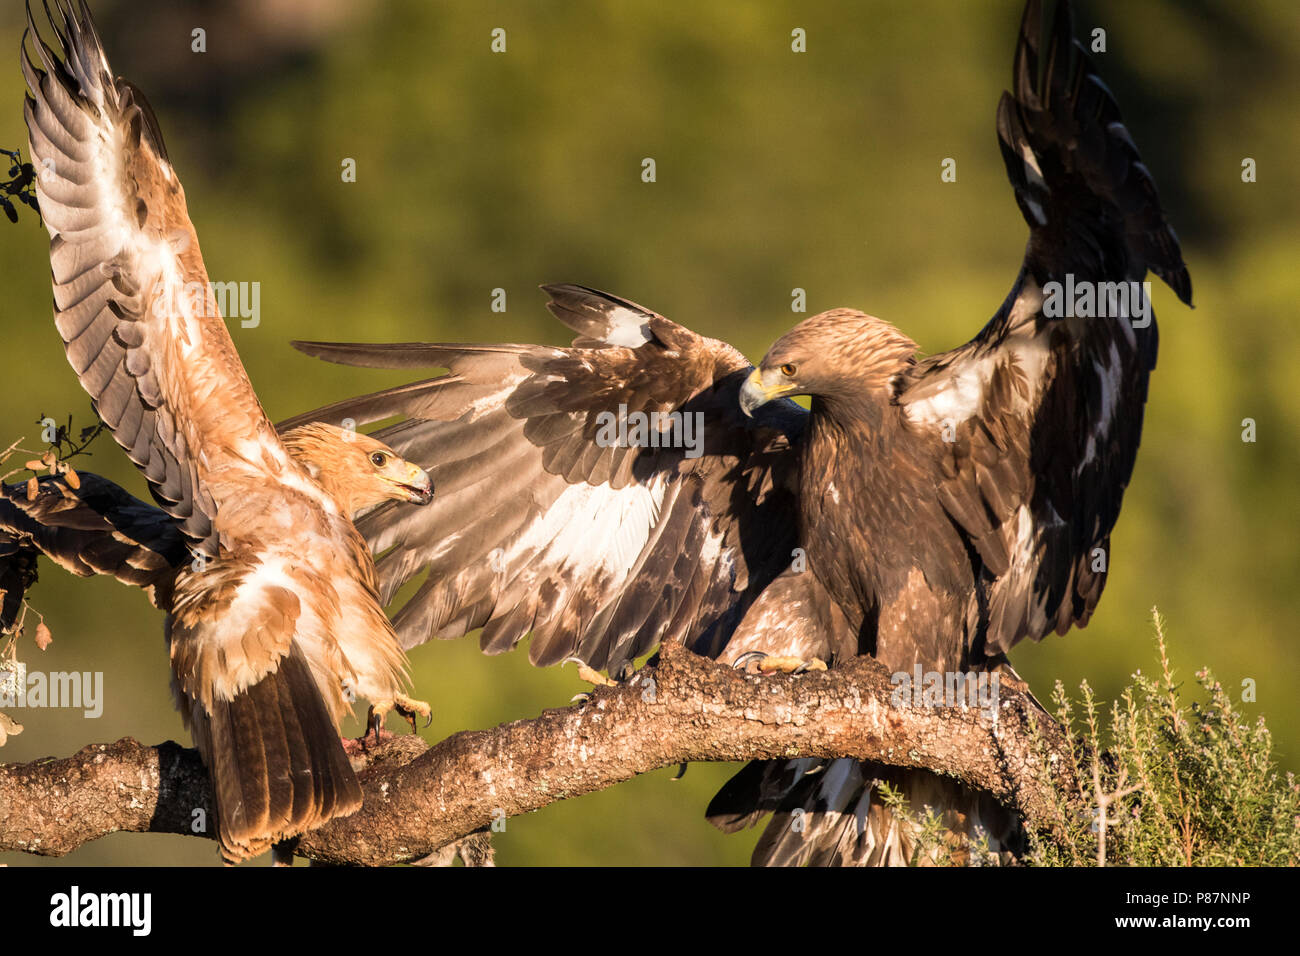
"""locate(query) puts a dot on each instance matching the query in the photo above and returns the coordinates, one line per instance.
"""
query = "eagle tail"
(833, 813)
(276, 762)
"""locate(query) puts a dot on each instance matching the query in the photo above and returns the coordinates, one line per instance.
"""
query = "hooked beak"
(759, 390)
(418, 486)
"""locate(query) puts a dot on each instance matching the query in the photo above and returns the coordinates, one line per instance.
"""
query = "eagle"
(649, 484)
(273, 621)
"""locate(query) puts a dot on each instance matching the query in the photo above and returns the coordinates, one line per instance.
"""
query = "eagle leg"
(589, 674)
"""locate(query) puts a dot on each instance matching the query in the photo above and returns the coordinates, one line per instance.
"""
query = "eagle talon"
(374, 723)
(407, 707)
(588, 674)
(816, 664)
(744, 660)
(410, 708)
(774, 664)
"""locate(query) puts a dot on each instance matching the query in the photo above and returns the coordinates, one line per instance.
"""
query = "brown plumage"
(272, 749)
(978, 488)
(930, 511)
(541, 526)
(96, 528)
(274, 623)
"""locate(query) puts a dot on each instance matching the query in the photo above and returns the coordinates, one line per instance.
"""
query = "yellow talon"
(408, 707)
(591, 676)
(770, 664)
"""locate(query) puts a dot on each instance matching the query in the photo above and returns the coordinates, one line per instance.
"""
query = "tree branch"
(684, 709)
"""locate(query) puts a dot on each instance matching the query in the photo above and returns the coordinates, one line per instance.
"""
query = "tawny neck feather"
(328, 454)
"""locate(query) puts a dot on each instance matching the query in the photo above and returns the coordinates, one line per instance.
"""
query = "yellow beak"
(415, 484)
(757, 391)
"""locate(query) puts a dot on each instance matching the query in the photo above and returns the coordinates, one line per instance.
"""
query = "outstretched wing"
(131, 296)
(549, 519)
(255, 651)
(1039, 417)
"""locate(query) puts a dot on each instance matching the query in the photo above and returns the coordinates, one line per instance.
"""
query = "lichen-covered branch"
(684, 709)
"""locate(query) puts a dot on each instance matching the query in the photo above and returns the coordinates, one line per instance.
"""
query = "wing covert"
(550, 520)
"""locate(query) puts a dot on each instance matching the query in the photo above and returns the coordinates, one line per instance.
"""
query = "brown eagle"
(273, 620)
(648, 484)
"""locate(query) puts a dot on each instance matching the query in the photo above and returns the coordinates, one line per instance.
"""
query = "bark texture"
(686, 708)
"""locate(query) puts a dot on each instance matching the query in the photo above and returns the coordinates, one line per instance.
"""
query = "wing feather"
(132, 300)
(543, 526)
(97, 528)
(1041, 413)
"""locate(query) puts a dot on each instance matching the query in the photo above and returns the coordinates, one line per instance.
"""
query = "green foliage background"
(775, 170)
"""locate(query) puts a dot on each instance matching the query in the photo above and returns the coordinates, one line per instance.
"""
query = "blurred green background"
(775, 170)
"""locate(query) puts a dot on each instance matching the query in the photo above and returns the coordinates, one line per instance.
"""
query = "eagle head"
(837, 355)
(355, 469)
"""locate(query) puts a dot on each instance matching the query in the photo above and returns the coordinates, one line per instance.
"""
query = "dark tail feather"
(275, 759)
(757, 790)
(832, 813)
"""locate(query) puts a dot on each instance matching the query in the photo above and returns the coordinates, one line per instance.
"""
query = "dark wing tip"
(84, 63)
(1025, 65)
(1070, 159)
(341, 353)
(375, 354)
(573, 296)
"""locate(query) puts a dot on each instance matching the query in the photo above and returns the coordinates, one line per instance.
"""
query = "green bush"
(1177, 784)
(1182, 784)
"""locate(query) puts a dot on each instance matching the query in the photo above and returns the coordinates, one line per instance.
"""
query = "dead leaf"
(33, 488)
(34, 465)
(72, 477)
(8, 728)
(43, 637)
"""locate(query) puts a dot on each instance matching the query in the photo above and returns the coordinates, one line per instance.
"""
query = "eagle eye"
(378, 459)
(788, 370)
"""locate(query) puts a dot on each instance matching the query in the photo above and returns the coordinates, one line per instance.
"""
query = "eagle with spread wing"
(929, 511)
(273, 620)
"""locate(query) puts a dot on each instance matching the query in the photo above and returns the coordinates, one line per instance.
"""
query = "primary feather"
(275, 621)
